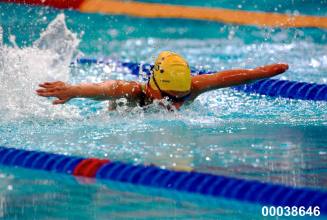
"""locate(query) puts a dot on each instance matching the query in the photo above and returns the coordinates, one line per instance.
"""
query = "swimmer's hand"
(63, 91)
(270, 70)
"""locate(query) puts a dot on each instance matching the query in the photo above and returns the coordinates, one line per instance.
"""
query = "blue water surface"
(223, 132)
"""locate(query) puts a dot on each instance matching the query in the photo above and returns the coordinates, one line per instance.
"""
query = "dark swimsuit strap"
(143, 97)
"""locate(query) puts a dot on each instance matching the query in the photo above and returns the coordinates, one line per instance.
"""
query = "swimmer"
(170, 79)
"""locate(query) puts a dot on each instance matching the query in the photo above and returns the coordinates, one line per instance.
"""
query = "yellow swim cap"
(171, 72)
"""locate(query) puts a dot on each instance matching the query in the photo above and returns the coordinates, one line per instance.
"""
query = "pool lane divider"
(157, 10)
(268, 87)
(151, 176)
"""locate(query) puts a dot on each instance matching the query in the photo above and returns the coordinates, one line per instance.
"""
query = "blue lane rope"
(152, 176)
(268, 87)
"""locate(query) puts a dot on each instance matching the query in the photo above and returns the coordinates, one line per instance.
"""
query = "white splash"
(22, 69)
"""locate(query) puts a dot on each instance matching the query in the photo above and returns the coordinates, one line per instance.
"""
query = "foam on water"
(22, 69)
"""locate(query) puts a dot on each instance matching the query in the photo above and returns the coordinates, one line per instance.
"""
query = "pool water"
(223, 132)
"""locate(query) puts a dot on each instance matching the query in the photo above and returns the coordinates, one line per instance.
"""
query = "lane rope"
(192, 182)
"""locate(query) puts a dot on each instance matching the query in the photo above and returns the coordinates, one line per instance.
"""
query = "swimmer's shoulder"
(132, 88)
(138, 93)
(140, 88)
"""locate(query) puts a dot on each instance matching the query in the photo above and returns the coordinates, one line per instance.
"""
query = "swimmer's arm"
(228, 78)
(106, 90)
(98, 91)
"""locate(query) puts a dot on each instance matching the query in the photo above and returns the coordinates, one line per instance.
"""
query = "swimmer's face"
(173, 95)
(178, 94)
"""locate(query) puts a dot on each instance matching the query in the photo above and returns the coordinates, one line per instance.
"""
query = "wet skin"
(132, 91)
